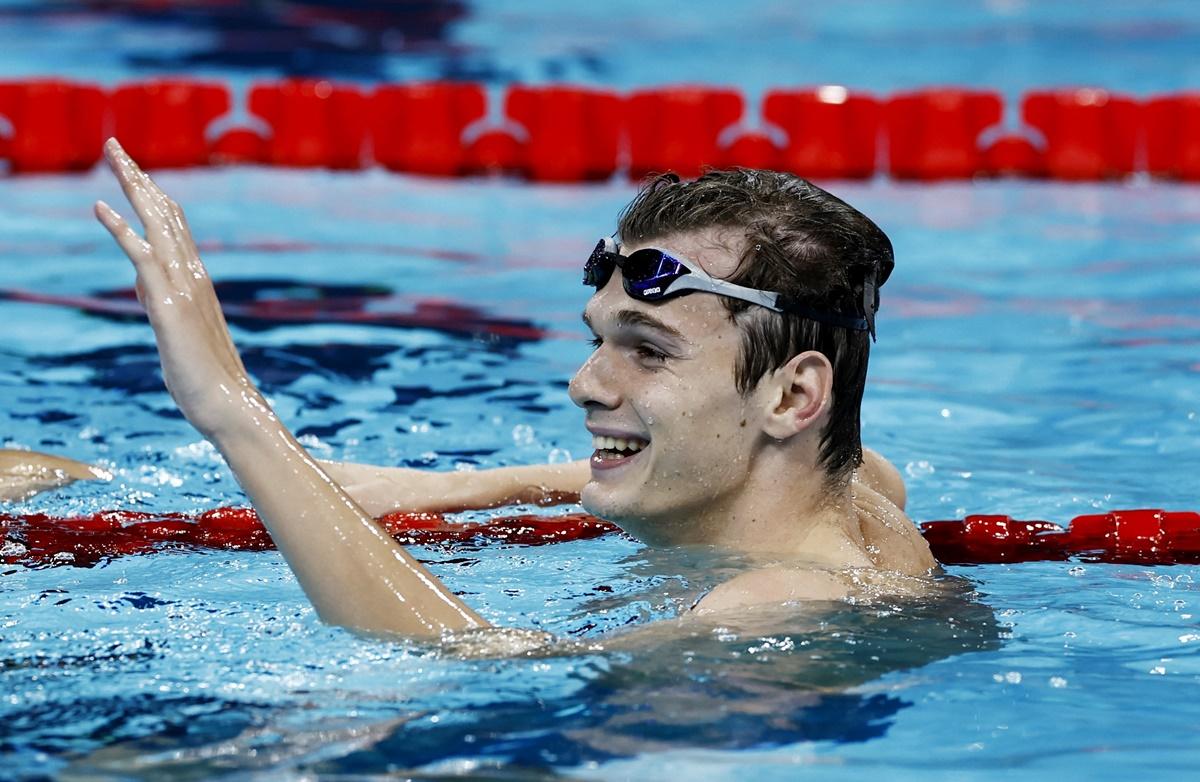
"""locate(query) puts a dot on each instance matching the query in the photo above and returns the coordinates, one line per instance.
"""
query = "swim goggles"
(653, 275)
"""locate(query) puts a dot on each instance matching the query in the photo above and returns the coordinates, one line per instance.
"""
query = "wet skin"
(738, 472)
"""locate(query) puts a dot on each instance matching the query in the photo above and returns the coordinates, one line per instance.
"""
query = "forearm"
(381, 490)
(353, 572)
(25, 473)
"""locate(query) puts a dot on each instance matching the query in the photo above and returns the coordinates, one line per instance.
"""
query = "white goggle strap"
(699, 281)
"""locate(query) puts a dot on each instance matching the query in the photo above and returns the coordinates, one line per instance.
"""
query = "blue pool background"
(1039, 355)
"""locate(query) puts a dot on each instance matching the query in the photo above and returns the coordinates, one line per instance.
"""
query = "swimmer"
(732, 319)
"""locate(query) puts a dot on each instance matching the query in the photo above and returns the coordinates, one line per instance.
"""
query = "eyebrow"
(627, 319)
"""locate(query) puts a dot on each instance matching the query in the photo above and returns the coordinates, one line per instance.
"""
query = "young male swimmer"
(732, 318)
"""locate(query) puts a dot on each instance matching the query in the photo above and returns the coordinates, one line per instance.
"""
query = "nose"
(592, 386)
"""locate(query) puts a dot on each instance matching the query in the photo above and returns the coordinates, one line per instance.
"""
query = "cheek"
(704, 426)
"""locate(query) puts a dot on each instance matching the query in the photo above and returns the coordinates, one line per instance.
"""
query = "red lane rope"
(573, 133)
(1144, 536)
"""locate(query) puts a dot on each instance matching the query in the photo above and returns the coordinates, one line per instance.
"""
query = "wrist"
(235, 414)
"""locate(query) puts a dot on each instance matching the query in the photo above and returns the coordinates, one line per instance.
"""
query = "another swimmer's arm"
(353, 572)
(880, 475)
(381, 490)
(25, 473)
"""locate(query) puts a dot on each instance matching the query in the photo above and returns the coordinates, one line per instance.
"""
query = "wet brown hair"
(795, 239)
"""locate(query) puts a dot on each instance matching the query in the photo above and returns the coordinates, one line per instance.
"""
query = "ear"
(800, 396)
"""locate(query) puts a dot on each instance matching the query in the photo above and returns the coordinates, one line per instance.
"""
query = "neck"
(787, 510)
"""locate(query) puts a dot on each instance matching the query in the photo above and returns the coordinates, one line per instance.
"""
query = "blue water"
(1039, 355)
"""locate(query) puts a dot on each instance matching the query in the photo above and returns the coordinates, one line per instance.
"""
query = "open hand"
(200, 365)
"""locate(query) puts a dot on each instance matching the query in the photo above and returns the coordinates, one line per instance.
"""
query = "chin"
(630, 516)
(600, 501)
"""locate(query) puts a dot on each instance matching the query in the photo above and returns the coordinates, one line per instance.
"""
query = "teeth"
(601, 443)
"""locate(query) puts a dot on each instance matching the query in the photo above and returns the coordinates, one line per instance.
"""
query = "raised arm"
(352, 571)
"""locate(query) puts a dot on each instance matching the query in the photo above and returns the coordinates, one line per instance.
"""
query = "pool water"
(1039, 355)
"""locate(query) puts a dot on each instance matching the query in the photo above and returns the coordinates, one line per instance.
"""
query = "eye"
(595, 342)
(650, 353)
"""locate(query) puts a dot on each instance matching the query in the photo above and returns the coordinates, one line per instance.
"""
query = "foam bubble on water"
(523, 434)
(314, 443)
(559, 456)
(919, 469)
(201, 449)
(159, 476)
(12, 549)
(1058, 682)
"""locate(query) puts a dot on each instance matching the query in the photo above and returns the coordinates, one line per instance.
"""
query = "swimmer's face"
(662, 380)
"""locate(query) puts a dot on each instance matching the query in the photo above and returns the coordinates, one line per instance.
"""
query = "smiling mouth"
(611, 451)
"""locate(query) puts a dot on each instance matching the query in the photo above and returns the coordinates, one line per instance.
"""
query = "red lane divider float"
(1130, 536)
(934, 134)
(1173, 136)
(162, 123)
(38, 539)
(1090, 134)
(569, 133)
(831, 131)
(678, 129)
(418, 128)
(55, 125)
(1140, 536)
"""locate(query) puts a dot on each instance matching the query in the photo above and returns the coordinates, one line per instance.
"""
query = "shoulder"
(881, 476)
(895, 541)
(774, 586)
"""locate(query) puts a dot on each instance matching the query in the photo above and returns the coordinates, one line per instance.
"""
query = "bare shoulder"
(880, 475)
(782, 584)
(774, 586)
(894, 541)
(25, 473)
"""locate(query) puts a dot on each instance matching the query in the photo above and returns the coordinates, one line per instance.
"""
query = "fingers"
(136, 185)
(170, 272)
(127, 238)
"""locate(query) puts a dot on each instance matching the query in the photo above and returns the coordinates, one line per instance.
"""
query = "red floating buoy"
(574, 134)
(314, 123)
(162, 124)
(1013, 156)
(1090, 134)
(934, 134)
(1173, 136)
(677, 128)
(418, 128)
(56, 125)
(833, 133)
